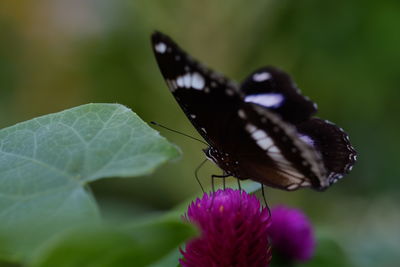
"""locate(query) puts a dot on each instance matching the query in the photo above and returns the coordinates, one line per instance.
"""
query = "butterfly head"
(225, 161)
(211, 154)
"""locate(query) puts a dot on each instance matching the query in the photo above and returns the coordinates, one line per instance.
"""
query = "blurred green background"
(345, 55)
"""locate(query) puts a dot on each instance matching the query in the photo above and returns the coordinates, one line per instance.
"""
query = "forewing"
(208, 99)
(274, 90)
(334, 145)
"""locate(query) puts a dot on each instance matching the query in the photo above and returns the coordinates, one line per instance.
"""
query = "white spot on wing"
(197, 81)
(265, 143)
(229, 92)
(171, 85)
(250, 128)
(278, 157)
(186, 80)
(174, 85)
(161, 48)
(241, 114)
(292, 173)
(350, 168)
(306, 139)
(269, 100)
(292, 187)
(259, 134)
(260, 77)
(179, 81)
(274, 149)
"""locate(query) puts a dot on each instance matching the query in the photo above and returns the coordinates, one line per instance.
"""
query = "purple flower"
(234, 231)
(291, 234)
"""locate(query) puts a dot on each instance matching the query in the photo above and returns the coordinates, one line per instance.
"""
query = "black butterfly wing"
(271, 152)
(208, 99)
(214, 107)
(275, 90)
(333, 143)
(262, 132)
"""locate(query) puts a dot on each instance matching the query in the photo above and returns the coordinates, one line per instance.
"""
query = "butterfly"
(263, 129)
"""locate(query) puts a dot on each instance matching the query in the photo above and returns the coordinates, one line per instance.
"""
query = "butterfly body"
(263, 129)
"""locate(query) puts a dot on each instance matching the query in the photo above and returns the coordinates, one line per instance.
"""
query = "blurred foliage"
(138, 245)
(344, 54)
(328, 254)
(46, 165)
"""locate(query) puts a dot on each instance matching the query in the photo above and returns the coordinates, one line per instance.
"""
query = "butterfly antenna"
(175, 131)
(265, 200)
(197, 177)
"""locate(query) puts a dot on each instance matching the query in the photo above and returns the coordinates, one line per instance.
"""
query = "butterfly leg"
(265, 200)
(196, 174)
(239, 185)
(224, 175)
(212, 184)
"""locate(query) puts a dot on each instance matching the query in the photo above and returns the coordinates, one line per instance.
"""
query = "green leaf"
(46, 163)
(329, 253)
(138, 245)
(172, 259)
